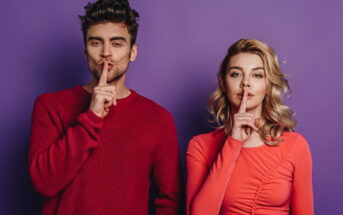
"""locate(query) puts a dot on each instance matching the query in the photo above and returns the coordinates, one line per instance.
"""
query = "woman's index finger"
(243, 105)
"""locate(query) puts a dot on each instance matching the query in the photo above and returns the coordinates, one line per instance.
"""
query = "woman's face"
(246, 69)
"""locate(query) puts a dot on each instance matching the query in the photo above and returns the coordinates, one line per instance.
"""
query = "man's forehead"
(108, 29)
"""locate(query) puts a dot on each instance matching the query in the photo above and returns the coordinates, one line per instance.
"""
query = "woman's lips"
(240, 96)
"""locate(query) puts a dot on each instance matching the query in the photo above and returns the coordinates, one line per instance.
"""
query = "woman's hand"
(243, 123)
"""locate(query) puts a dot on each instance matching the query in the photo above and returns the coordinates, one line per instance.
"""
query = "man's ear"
(133, 52)
(85, 53)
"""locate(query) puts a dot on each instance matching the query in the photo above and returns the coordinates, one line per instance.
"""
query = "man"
(94, 148)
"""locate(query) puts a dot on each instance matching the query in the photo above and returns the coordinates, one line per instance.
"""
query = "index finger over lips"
(103, 77)
(243, 105)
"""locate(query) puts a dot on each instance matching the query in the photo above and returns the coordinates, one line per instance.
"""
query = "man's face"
(109, 41)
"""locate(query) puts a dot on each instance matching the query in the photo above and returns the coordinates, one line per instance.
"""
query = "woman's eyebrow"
(258, 68)
(235, 67)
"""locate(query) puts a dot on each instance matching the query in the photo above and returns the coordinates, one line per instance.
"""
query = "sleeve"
(207, 183)
(302, 193)
(168, 177)
(54, 157)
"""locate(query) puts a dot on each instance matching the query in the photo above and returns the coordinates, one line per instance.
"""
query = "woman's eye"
(258, 76)
(234, 74)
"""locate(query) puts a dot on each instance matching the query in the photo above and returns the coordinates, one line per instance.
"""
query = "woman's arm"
(302, 193)
(207, 183)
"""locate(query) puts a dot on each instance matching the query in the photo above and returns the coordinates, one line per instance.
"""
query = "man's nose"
(106, 51)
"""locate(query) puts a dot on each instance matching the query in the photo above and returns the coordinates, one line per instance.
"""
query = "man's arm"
(55, 158)
(167, 176)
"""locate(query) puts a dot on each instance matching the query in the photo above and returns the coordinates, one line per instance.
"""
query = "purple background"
(181, 44)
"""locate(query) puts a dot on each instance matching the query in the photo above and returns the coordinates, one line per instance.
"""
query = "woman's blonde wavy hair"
(276, 117)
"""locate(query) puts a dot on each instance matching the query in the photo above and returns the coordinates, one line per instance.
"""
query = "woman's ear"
(222, 83)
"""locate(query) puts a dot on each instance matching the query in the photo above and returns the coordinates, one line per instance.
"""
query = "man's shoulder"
(150, 106)
(61, 95)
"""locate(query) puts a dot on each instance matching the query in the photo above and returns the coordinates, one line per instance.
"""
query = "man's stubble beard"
(117, 74)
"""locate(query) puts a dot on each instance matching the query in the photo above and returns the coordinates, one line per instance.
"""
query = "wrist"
(95, 113)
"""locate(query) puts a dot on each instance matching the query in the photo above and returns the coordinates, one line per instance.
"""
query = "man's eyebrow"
(111, 39)
(118, 38)
(95, 38)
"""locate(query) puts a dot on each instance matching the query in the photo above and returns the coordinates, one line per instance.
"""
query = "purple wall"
(181, 44)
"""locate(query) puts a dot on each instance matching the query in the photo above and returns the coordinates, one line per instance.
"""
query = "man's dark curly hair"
(117, 11)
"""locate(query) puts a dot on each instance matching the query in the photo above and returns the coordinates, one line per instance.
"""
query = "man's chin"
(115, 77)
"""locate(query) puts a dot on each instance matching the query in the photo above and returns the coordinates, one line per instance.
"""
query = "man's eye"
(117, 44)
(95, 43)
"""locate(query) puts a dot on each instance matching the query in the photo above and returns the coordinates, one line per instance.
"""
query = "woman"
(254, 163)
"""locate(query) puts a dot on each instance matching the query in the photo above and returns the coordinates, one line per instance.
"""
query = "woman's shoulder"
(293, 137)
(294, 143)
(208, 141)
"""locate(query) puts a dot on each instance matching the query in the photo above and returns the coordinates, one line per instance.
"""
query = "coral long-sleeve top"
(223, 177)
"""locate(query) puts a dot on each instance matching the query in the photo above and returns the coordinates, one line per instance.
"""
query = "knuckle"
(98, 91)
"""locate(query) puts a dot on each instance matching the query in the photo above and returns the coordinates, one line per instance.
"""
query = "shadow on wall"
(22, 199)
(56, 68)
(191, 119)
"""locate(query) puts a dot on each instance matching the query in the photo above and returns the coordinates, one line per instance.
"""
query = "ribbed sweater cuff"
(91, 121)
(94, 118)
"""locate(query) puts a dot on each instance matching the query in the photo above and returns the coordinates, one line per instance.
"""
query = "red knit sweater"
(83, 164)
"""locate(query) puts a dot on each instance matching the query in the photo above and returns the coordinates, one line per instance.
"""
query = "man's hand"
(243, 123)
(103, 95)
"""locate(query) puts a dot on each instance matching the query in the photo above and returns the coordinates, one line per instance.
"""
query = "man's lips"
(101, 66)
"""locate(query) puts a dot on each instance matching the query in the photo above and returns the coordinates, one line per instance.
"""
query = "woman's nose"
(245, 83)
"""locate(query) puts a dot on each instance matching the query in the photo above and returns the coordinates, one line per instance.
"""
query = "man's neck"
(121, 90)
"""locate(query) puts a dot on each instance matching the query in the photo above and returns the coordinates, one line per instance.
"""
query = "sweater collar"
(127, 99)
